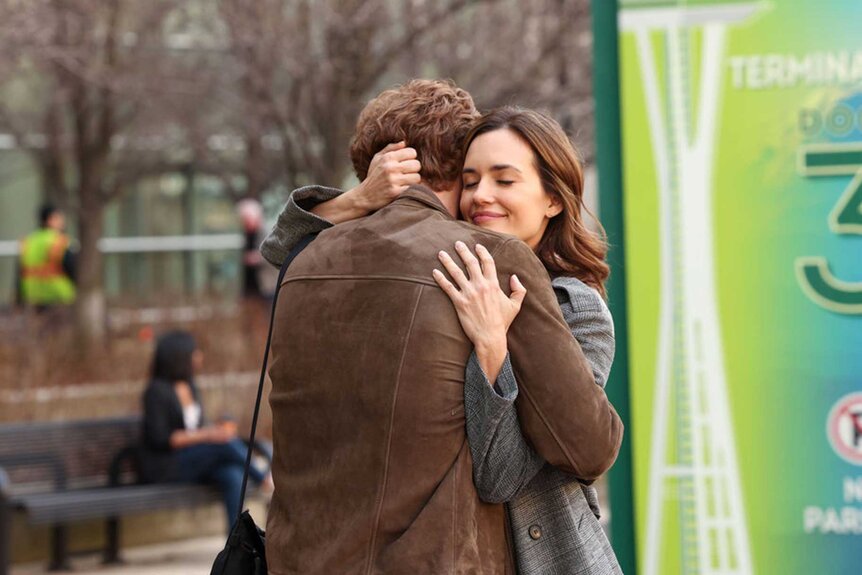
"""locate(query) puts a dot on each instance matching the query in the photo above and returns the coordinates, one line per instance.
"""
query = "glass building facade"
(173, 204)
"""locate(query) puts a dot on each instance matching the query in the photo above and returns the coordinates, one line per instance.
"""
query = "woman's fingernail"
(460, 245)
(480, 247)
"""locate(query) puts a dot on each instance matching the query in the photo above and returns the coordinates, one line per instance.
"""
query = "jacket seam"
(322, 277)
(406, 203)
(501, 245)
(382, 497)
(413, 206)
(563, 447)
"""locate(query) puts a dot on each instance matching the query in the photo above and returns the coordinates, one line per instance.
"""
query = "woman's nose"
(483, 193)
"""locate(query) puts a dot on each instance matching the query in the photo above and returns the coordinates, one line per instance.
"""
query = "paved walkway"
(190, 557)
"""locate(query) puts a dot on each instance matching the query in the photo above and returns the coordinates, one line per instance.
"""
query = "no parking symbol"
(844, 428)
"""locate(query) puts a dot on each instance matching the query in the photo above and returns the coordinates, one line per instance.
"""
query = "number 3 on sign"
(813, 273)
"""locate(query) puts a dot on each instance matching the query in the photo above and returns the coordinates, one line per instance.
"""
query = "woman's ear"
(555, 207)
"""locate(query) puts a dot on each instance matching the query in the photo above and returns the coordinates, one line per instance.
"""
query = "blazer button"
(535, 532)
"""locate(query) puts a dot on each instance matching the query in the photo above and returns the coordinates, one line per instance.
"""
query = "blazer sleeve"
(296, 221)
(503, 461)
(564, 415)
(591, 324)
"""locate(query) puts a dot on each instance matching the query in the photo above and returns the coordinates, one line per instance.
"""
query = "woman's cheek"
(464, 206)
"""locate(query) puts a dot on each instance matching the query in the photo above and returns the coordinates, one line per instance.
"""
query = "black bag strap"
(287, 261)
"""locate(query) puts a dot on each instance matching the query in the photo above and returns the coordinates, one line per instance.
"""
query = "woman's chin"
(496, 226)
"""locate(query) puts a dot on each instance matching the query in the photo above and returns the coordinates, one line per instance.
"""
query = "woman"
(178, 444)
(521, 177)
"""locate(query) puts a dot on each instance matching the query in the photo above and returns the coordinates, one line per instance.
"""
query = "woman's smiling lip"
(480, 217)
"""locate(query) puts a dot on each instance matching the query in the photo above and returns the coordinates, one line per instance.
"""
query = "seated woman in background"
(178, 443)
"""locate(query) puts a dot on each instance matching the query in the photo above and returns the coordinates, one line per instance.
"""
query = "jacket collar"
(423, 195)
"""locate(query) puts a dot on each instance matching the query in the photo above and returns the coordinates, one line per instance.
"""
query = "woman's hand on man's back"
(484, 310)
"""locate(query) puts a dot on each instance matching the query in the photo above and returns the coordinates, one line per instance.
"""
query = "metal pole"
(606, 89)
(189, 226)
(5, 524)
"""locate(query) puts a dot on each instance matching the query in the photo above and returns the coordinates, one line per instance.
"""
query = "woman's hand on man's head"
(392, 170)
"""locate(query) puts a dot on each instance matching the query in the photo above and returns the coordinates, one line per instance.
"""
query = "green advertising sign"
(742, 169)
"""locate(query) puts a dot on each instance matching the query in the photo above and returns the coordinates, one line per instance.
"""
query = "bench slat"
(67, 506)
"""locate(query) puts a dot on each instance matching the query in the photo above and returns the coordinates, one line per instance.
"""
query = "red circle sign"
(844, 428)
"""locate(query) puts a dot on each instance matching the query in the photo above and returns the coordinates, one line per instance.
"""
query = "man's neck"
(448, 194)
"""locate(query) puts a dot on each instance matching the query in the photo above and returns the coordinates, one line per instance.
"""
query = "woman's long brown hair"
(568, 247)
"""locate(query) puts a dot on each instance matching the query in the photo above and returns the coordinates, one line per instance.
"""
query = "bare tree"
(94, 70)
(262, 94)
(535, 54)
(306, 69)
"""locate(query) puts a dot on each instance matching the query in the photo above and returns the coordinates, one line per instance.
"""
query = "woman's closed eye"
(504, 183)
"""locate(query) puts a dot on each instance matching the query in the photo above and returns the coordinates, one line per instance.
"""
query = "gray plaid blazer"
(553, 517)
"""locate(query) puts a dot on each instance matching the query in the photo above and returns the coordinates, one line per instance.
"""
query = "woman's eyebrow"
(501, 167)
(495, 168)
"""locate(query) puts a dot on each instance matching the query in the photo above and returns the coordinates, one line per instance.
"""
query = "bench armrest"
(116, 468)
(5, 484)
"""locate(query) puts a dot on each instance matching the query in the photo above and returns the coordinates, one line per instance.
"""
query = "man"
(46, 267)
(372, 469)
(250, 213)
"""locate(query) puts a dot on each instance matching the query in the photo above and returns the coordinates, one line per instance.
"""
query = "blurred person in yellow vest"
(46, 265)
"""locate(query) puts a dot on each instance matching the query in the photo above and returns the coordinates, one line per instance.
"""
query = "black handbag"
(245, 550)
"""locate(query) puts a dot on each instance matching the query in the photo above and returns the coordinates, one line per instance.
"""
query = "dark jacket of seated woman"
(163, 415)
(177, 443)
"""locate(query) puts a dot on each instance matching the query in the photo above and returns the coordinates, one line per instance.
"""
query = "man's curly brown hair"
(432, 116)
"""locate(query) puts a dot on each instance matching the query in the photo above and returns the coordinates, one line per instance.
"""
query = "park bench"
(63, 472)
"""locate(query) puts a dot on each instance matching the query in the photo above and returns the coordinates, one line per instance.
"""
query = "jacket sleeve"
(296, 221)
(503, 462)
(591, 324)
(157, 422)
(564, 415)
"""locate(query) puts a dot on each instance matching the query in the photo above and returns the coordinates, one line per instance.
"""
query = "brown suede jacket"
(372, 469)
